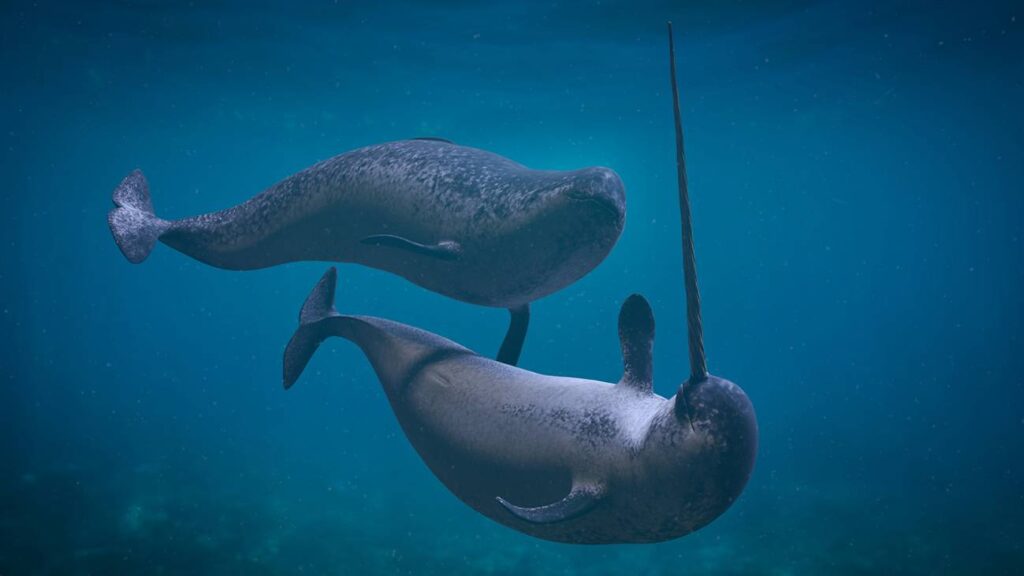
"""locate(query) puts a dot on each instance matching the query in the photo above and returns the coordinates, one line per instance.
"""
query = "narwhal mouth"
(607, 205)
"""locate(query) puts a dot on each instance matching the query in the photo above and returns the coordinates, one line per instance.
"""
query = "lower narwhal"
(562, 459)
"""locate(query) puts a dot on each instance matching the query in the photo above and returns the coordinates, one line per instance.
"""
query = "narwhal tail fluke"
(313, 329)
(132, 222)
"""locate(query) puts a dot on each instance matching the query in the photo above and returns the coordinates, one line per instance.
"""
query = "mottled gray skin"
(509, 235)
(649, 468)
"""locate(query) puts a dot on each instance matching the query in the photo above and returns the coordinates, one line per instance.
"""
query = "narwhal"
(457, 220)
(562, 459)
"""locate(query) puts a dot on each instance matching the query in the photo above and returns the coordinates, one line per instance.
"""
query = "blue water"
(857, 174)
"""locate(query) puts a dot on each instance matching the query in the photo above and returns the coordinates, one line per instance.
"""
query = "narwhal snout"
(713, 400)
(720, 412)
(601, 187)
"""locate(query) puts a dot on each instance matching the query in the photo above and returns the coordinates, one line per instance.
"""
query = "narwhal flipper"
(512, 345)
(581, 499)
(636, 336)
(443, 250)
(132, 222)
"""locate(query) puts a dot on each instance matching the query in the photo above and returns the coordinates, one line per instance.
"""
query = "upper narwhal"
(456, 220)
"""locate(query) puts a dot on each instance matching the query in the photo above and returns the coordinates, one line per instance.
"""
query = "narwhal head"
(699, 449)
(702, 446)
(567, 223)
(581, 210)
(595, 193)
(576, 197)
(585, 215)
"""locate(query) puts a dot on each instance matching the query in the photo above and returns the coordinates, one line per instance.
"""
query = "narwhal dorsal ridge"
(636, 336)
(434, 139)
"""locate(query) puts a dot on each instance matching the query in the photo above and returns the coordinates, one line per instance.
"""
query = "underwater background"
(857, 178)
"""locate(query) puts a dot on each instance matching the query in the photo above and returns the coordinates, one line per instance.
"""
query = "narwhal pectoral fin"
(581, 499)
(443, 250)
(636, 336)
(512, 345)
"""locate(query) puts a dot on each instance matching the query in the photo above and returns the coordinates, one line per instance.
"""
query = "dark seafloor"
(857, 174)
